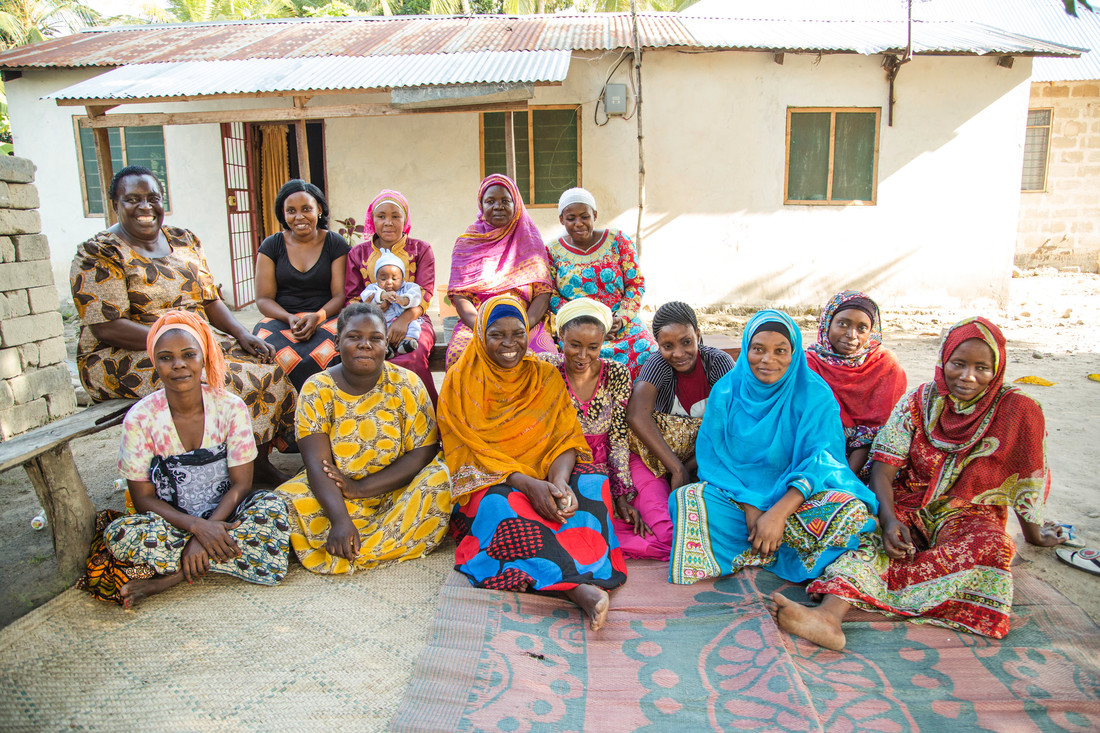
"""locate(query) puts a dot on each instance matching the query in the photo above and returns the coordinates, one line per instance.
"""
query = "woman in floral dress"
(601, 263)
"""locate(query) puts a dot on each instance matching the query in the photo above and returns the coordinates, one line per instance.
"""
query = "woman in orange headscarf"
(186, 454)
(511, 439)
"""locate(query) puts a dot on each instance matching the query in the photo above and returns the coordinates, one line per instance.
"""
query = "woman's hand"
(257, 347)
(767, 534)
(194, 562)
(678, 476)
(396, 331)
(347, 486)
(752, 514)
(617, 324)
(305, 327)
(625, 511)
(214, 538)
(896, 539)
(565, 499)
(1047, 534)
(549, 500)
(343, 539)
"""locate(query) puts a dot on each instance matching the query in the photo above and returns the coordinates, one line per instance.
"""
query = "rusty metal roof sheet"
(252, 76)
(419, 35)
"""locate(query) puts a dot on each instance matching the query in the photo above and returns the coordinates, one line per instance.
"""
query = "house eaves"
(253, 77)
(407, 36)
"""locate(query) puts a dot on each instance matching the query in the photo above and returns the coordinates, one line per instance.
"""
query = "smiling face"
(850, 331)
(679, 344)
(581, 343)
(506, 342)
(389, 278)
(389, 222)
(140, 206)
(362, 345)
(301, 211)
(178, 361)
(769, 356)
(579, 221)
(969, 369)
(497, 206)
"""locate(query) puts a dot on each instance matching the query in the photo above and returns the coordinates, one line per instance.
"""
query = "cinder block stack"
(35, 386)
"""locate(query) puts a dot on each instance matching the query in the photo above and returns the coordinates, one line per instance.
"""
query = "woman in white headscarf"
(601, 264)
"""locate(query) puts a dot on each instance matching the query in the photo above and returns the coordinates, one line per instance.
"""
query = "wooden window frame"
(1046, 162)
(828, 201)
(88, 214)
(530, 192)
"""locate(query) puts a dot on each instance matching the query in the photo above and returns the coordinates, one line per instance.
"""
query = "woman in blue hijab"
(775, 489)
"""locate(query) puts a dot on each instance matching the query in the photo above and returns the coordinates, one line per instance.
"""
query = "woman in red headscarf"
(386, 228)
(956, 454)
(501, 253)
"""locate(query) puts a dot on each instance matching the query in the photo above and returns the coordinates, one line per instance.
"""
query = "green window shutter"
(91, 172)
(854, 157)
(808, 159)
(555, 148)
(495, 160)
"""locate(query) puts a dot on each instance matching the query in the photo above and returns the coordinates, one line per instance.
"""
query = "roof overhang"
(470, 77)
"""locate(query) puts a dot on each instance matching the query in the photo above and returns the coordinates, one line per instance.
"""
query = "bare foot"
(812, 624)
(594, 601)
(136, 590)
(265, 473)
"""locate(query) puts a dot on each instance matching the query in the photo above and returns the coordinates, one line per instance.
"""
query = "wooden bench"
(44, 452)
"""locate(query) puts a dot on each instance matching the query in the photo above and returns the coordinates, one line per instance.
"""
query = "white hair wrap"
(576, 196)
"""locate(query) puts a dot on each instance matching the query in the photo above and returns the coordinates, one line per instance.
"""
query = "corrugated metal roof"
(416, 35)
(251, 76)
(1046, 19)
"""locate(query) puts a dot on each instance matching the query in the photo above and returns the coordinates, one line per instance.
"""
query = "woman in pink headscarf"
(387, 228)
(500, 253)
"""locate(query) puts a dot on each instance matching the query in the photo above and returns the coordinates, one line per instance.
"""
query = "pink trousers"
(652, 503)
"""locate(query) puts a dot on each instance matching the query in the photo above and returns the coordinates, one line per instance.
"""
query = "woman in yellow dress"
(373, 490)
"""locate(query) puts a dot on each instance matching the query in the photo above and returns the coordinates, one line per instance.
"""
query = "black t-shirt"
(302, 292)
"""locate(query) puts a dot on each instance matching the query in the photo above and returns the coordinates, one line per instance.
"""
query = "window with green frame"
(547, 150)
(129, 146)
(832, 155)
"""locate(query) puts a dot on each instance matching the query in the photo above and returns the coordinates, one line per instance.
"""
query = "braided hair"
(674, 312)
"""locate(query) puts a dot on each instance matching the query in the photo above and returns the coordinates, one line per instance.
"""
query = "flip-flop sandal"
(1085, 559)
(1072, 540)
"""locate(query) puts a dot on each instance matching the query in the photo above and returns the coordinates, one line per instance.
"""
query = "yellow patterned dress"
(369, 432)
(110, 280)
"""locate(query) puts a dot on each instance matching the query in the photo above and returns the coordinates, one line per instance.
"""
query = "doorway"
(259, 158)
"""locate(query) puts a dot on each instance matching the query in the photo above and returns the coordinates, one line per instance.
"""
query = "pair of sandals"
(1073, 552)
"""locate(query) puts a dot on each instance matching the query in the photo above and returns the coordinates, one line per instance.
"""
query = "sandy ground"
(1053, 326)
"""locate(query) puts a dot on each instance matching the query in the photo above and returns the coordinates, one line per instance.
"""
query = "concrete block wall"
(35, 386)
(1061, 226)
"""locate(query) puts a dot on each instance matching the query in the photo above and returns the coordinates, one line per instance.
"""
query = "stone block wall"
(1061, 226)
(35, 386)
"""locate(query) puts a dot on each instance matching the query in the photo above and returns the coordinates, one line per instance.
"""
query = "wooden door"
(241, 204)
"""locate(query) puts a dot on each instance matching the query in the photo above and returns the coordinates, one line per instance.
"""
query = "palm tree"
(29, 21)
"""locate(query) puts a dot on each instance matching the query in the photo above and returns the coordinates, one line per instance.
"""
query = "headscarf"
(757, 439)
(870, 382)
(397, 248)
(387, 257)
(584, 307)
(180, 320)
(489, 260)
(576, 196)
(994, 444)
(495, 421)
(951, 424)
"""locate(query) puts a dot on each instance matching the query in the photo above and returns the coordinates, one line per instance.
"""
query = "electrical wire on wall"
(600, 101)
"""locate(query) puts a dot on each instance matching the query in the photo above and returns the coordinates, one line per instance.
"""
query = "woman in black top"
(300, 283)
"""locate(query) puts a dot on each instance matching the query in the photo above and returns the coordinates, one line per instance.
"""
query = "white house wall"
(715, 230)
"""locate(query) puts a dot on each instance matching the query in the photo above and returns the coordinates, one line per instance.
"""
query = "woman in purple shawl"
(502, 252)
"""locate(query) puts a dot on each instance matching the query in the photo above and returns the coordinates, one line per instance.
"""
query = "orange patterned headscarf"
(495, 421)
(212, 356)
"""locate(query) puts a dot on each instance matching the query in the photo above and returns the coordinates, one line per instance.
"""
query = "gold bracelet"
(324, 316)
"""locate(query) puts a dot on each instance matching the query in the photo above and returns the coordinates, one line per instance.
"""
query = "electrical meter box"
(614, 99)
